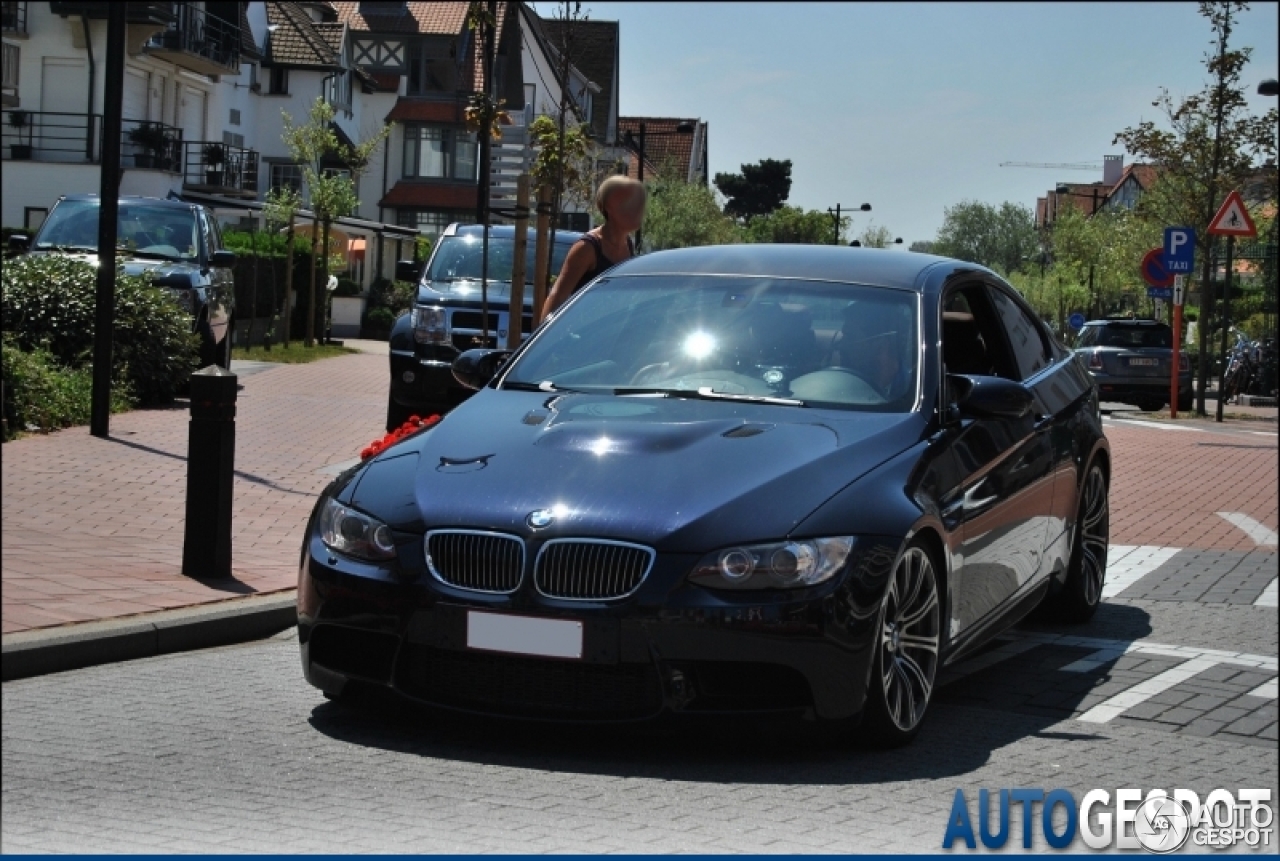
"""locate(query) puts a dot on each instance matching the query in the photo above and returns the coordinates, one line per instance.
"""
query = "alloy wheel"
(910, 634)
(1094, 530)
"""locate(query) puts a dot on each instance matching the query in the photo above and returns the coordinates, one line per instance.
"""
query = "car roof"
(872, 266)
(137, 198)
(505, 231)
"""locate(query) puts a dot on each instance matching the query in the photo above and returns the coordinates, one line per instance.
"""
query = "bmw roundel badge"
(540, 518)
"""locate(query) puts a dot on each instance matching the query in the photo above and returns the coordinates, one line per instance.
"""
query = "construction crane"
(1079, 165)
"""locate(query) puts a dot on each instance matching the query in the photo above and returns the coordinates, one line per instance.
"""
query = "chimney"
(1112, 169)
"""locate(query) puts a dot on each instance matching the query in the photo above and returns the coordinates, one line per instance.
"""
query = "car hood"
(159, 270)
(468, 290)
(679, 475)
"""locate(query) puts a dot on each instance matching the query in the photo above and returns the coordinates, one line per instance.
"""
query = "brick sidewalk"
(92, 529)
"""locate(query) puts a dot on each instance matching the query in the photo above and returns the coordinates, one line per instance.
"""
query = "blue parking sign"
(1179, 250)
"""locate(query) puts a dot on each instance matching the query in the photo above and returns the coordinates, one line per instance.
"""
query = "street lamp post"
(638, 146)
(835, 219)
(1269, 87)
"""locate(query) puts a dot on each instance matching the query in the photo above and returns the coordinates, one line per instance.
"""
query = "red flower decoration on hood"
(412, 426)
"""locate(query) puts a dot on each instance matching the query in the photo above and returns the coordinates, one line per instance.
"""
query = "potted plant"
(215, 156)
(150, 137)
(20, 120)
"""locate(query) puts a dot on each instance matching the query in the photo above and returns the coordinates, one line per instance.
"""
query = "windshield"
(166, 232)
(460, 257)
(805, 343)
(1128, 337)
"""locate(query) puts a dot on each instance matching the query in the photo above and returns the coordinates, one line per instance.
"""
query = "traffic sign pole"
(1226, 325)
(1178, 281)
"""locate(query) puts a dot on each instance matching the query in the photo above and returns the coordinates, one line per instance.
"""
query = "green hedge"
(40, 394)
(49, 305)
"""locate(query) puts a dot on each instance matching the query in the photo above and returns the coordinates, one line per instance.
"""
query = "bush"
(396, 295)
(49, 305)
(377, 323)
(40, 393)
(346, 287)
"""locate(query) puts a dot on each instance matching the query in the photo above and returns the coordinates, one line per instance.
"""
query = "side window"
(1030, 351)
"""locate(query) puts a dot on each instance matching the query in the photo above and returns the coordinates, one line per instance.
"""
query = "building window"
(278, 85)
(286, 176)
(338, 90)
(437, 152)
(431, 69)
(33, 217)
(429, 222)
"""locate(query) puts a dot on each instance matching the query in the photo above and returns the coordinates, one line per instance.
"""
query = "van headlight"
(430, 325)
(779, 565)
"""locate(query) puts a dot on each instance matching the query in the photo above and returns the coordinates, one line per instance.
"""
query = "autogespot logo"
(1158, 822)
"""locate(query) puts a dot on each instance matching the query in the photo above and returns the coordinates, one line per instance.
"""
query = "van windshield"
(167, 232)
(459, 257)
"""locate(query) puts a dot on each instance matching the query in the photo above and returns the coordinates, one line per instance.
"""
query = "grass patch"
(295, 354)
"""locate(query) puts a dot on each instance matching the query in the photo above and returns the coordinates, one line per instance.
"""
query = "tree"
(875, 236)
(682, 214)
(998, 237)
(793, 224)
(1208, 145)
(760, 189)
(922, 246)
(332, 192)
(571, 176)
(280, 206)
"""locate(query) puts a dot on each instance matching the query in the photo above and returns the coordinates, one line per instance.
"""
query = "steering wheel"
(649, 373)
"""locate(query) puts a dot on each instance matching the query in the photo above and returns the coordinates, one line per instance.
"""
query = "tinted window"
(1029, 348)
(145, 229)
(1135, 337)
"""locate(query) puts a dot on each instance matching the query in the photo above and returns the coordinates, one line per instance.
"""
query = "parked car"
(179, 245)
(1131, 361)
(447, 321)
(723, 479)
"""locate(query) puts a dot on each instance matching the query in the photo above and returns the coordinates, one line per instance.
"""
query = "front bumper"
(689, 651)
(426, 381)
(1136, 389)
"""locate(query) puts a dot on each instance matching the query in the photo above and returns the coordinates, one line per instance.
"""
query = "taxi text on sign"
(1233, 218)
(1179, 249)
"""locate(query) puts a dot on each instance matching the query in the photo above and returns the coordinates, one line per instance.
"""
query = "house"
(669, 143)
(1136, 179)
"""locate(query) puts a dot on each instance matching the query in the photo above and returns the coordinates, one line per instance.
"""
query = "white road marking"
(1143, 691)
(1263, 536)
(1127, 564)
(1262, 433)
(1157, 425)
(1268, 596)
(1268, 690)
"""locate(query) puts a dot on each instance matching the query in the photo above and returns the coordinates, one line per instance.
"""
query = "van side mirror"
(475, 368)
(222, 259)
(19, 243)
(409, 270)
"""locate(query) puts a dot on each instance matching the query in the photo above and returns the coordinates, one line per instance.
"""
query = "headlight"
(430, 325)
(354, 533)
(784, 565)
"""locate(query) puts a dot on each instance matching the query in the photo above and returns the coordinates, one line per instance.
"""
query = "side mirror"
(408, 270)
(475, 368)
(990, 397)
(222, 260)
(19, 242)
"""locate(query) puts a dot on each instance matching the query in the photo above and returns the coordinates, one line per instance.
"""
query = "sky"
(911, 107)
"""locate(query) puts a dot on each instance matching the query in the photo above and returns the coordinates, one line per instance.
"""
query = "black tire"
(905, 664)
(397, 414)
(1151, 405)
(1087, 569)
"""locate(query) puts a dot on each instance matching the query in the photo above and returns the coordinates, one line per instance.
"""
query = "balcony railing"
(199, 41)
(235, 174)
(9, 64)
(13, 18)
(51, 136)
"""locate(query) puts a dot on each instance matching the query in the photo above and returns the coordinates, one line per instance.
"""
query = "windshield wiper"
(544, 386)
(69, 249)
(707, 393)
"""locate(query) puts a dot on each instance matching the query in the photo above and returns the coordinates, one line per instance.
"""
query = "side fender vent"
(746, 431)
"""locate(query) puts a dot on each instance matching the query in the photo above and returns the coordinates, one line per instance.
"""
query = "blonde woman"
(621, 201)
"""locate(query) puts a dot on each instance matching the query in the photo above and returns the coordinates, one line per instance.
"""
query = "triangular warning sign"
(1233, 219)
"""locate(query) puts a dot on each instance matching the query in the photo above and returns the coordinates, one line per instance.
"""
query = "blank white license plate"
(1145, 362)
(524, 635)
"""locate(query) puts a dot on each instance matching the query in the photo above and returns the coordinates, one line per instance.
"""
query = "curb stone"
(71, 647)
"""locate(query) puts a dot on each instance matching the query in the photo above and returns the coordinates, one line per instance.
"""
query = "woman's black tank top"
(603, 264)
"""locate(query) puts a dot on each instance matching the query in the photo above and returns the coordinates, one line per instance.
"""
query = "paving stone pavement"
(228, 750)
(1209, 576)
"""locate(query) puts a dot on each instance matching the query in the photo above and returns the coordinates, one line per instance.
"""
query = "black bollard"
(211, 454)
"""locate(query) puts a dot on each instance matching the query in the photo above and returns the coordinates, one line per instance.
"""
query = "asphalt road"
(1173, 685)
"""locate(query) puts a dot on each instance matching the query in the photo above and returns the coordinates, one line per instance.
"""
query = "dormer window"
(431, 68)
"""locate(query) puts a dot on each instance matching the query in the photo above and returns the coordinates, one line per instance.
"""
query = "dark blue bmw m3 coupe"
(735, 479)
